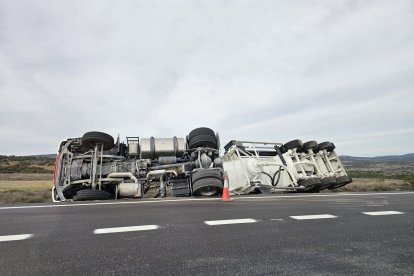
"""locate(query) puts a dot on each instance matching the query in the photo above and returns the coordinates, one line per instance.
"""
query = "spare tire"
(90, 139)
(326, 146)
(92, 194)
(310, 145)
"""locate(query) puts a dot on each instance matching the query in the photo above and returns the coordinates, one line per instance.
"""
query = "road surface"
(320, 234)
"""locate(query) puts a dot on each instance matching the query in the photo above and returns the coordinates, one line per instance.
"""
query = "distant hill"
(388, 158)
(391, 166)
(52, 155)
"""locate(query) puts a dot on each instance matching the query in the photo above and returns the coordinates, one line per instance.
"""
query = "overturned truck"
(95, 167)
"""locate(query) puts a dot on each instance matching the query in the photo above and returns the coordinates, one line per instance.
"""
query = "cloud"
(265, 70)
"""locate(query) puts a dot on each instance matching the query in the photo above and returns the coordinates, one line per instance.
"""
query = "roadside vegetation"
(25, 191)
(26, 164)
(379, 174)
(26, 179)
(25, 187)
(376, 184)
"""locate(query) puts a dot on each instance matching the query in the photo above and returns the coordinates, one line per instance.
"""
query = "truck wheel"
(314, 190)
(310, 145)
(90, 139)
(91, 194)
(208, 187)
(327, 182)
(341, 181)
(55, 197)
(203, 141)
(201, 131)
(206, 173)
(326, 146)
(292, 144)
(202, 137)
(309, 183)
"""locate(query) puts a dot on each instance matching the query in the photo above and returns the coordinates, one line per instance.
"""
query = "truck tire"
(310, 145)
(201, 131)
(208, 187)
(202, 137)
(327, 182)
(293, 144)
(90, 139)
(341, 181)
(205, 140)
(326, 146)
(314, 190)
(92, 194)
(309, 183)
(206, 173)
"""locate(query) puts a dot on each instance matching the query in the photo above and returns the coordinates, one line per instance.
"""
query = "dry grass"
(15, 196)
(26, 176)
(25, 191)
(375, 184)
(33, 186)
(46, 167)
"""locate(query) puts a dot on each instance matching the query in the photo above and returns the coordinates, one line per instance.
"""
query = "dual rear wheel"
(207, 182)
(203, 137)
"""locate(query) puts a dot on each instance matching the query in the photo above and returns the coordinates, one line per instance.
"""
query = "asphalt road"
(352, 234)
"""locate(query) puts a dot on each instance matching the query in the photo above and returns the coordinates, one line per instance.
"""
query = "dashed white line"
(276, 219)
(383, 213)
(15, 237)
(125, 229)
(323, 216)
(229, 221)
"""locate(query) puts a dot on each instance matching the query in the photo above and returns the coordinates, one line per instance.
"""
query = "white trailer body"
(252, 166)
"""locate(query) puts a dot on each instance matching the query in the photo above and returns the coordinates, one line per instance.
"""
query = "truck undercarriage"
(95, 167)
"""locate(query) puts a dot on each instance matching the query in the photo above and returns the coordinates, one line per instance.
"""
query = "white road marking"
(109, 203)
(15, 237)
(160, 201)
(229, 221)
(323, 195)
(324, 216)
(383, 213)
(276, 219)
(125, 229)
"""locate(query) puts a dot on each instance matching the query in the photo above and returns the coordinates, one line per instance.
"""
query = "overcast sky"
(252, 70)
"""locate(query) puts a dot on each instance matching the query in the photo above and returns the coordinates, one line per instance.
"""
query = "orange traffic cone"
(226, 194)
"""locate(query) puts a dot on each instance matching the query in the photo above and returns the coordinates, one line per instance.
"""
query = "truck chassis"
(94, 167)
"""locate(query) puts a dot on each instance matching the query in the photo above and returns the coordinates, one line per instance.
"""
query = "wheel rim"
(208, 191)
